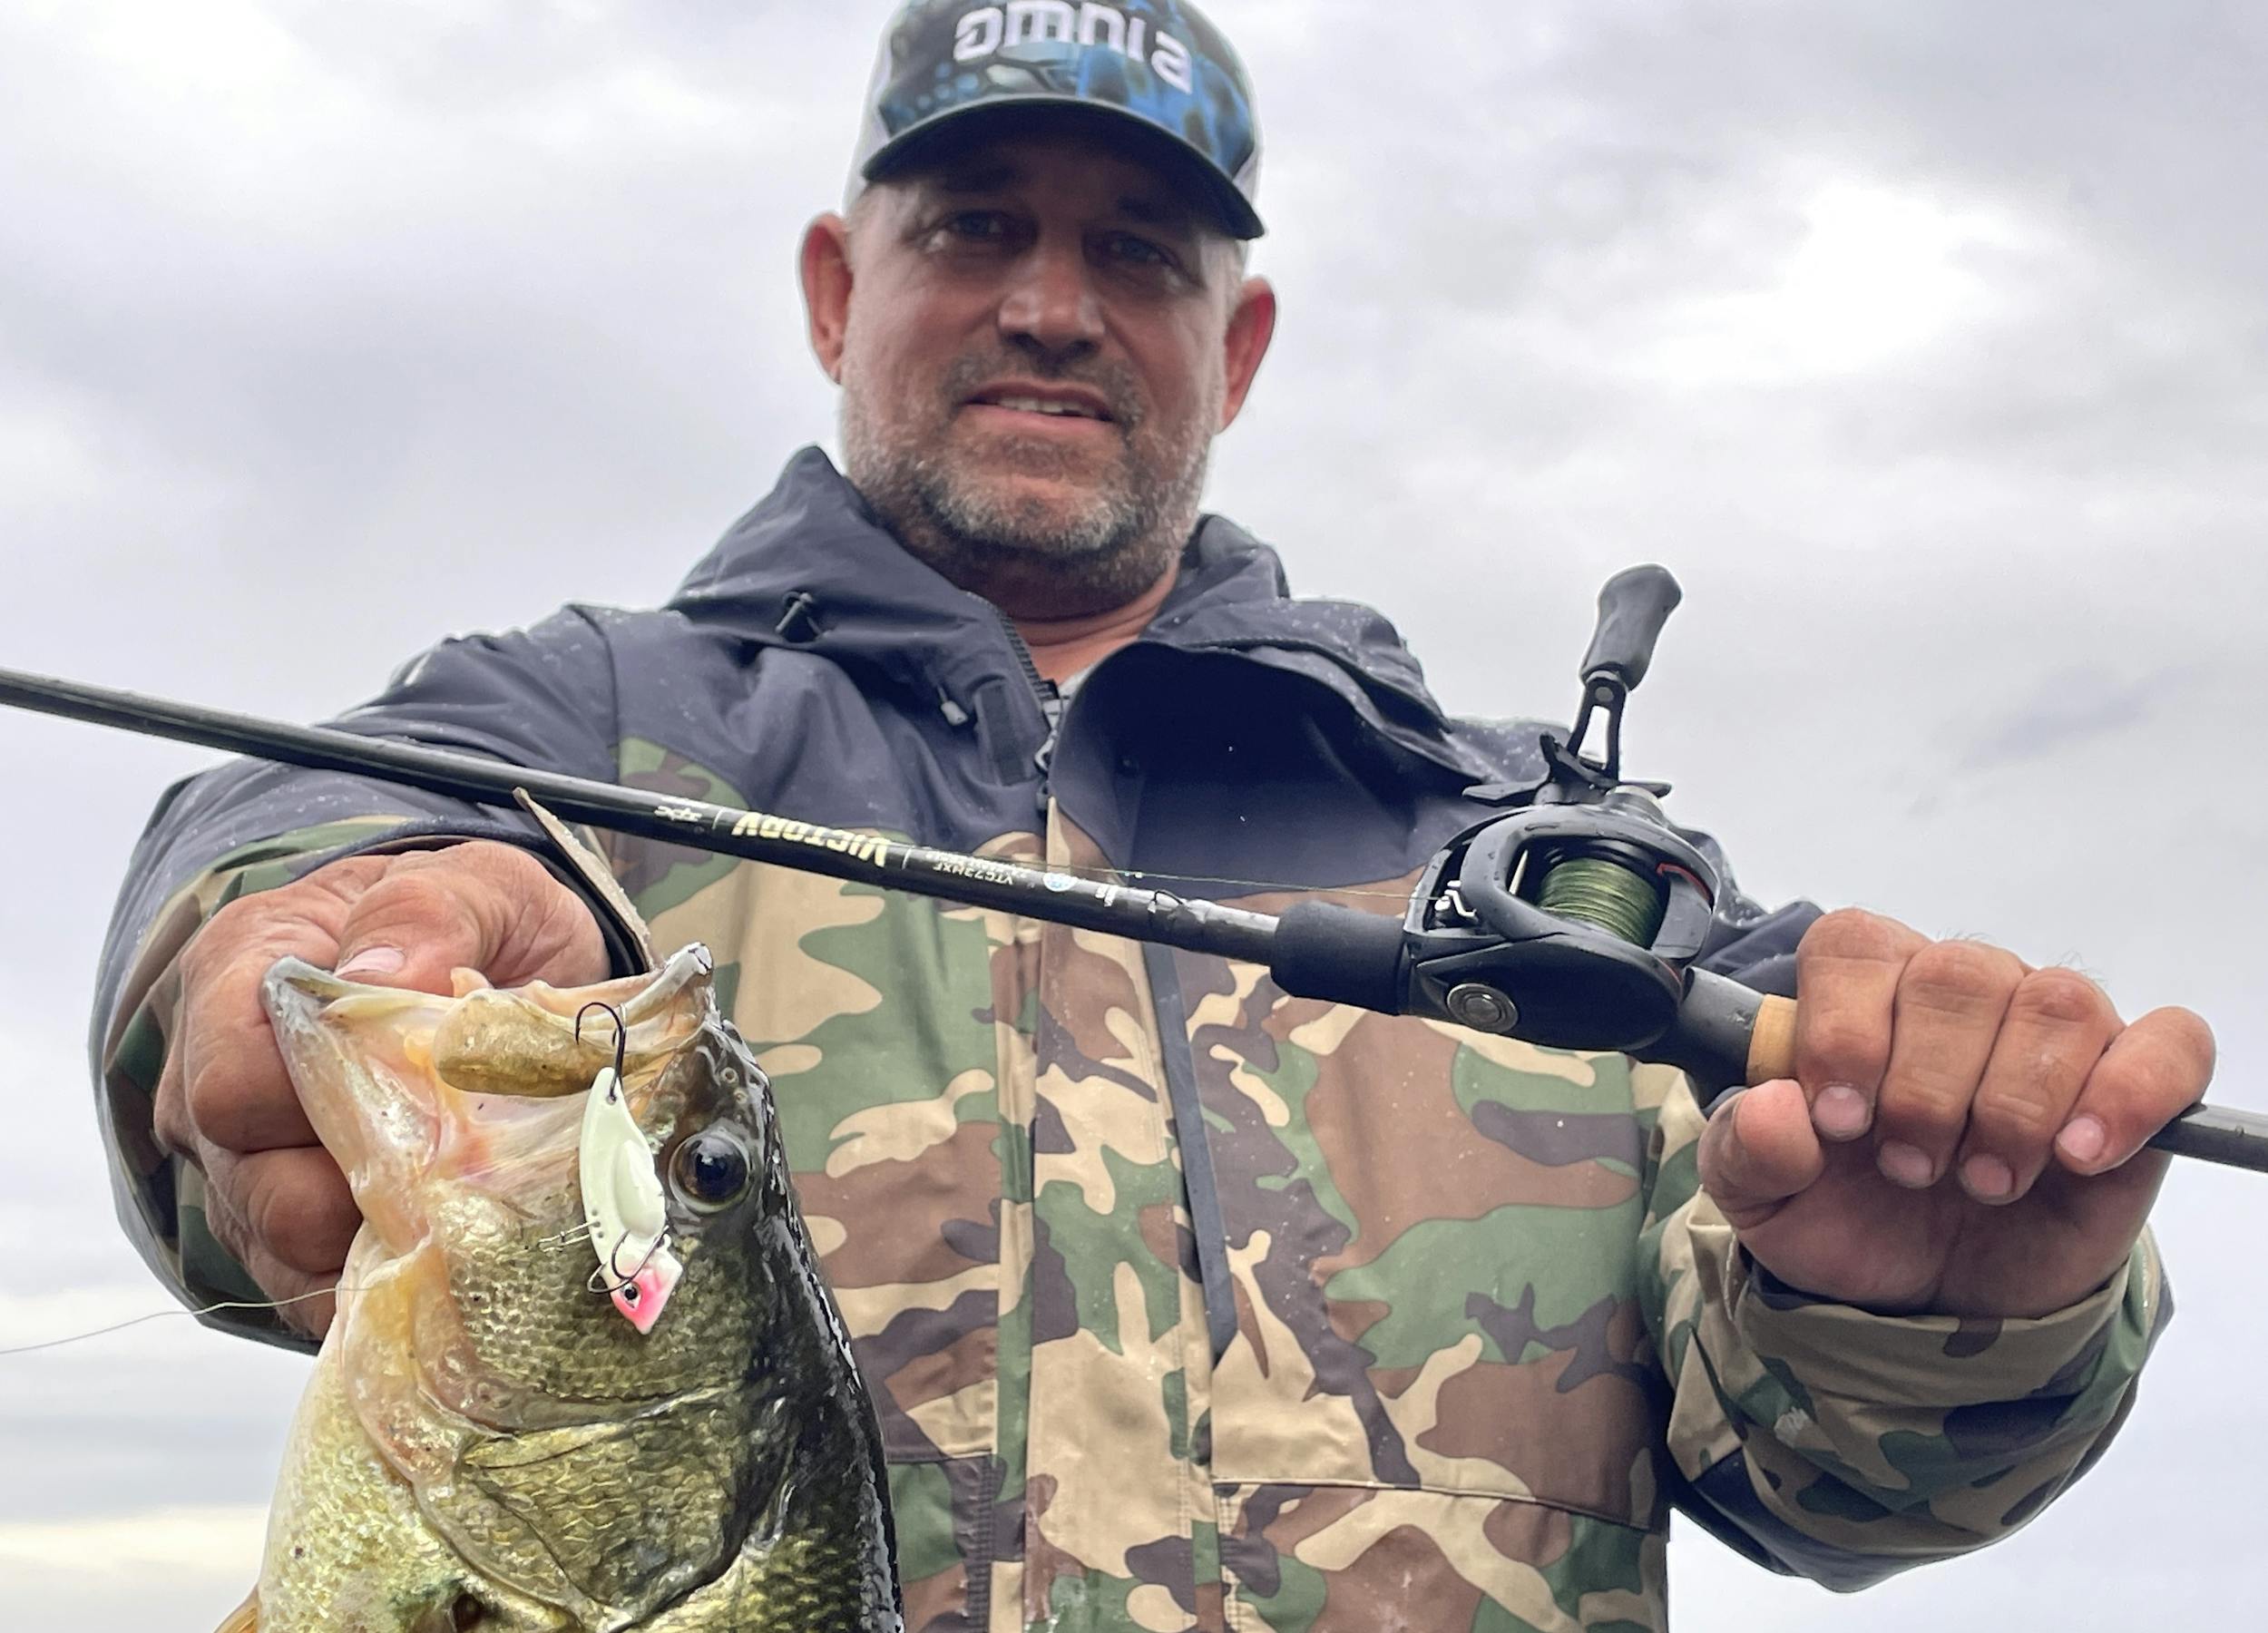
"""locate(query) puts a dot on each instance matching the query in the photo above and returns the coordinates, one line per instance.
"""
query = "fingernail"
(1906, 1165)
(1841, 1112)
(371, 961)
(1987, 1178)
(2083, 1139)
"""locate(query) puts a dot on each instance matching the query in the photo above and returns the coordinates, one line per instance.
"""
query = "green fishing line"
(1607, 895)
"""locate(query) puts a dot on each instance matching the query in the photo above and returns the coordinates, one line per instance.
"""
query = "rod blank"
(1156, 915)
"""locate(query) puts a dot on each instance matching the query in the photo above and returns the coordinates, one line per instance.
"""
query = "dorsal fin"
(593, 870)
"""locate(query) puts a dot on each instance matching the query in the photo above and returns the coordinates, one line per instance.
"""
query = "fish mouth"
(293, 982)
(523, 1044)
(531, 1041)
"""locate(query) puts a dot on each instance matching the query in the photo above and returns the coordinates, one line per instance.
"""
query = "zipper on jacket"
(1044, 691)
(1199, 1190)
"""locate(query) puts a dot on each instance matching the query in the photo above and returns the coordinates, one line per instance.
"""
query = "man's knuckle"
(261, 1207)
(420, 898)
(251, 920)
(231, 918)
(524, 882)
(509, 860)
(280, 1206)
(1843, 1043)
(2162, 1066)
(304, 1232)
(218, 941)
(1853, 932)
(343, 880)
(2059, 1000)
(2025, 1108)
(214, 1102)
(1961, 978)
(2189, 1038)
(1931, 1100)
(489, 862)
(242, 1098)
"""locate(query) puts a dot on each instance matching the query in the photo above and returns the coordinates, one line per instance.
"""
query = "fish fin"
(592, 869)
(244, 1618)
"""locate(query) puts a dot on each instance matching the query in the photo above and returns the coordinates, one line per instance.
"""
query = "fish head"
(459, 1121)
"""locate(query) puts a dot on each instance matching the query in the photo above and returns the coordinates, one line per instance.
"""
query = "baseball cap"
(1159, 64)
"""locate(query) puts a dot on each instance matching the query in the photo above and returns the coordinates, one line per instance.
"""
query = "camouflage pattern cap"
(1159, 62)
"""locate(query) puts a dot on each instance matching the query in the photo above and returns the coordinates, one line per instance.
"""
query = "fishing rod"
(1569, 919)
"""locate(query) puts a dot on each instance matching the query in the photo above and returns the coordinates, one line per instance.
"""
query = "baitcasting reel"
(1573, 919)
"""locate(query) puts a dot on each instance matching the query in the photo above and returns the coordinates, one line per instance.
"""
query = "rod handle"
(1321, 950)
(2213, 1133)
(1772, 1045)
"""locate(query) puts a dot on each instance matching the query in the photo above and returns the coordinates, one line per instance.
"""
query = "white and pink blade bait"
(624, 1206)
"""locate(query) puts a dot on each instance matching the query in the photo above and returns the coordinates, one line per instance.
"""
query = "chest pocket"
(1432, 1235)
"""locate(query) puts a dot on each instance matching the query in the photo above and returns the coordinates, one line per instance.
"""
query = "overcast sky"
(1925, 341)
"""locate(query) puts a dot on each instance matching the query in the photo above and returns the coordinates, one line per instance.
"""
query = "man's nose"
(1050, 305)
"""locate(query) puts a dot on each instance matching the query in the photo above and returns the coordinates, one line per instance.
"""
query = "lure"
(623, 1203)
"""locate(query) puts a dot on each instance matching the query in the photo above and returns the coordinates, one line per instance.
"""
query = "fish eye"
(710, 1170)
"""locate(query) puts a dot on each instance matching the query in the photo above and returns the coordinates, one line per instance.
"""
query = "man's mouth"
(1053, 402)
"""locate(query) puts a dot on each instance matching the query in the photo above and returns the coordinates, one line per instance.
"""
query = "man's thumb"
(481, 905)
(1759, 1150)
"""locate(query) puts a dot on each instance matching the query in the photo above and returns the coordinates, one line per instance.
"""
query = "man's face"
(1038, 335)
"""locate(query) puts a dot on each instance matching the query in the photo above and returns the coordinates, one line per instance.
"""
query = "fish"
(486, 1443)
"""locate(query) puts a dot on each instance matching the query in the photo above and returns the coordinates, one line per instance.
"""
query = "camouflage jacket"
(1474, 1330)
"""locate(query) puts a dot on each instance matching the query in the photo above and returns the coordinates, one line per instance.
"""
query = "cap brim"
(1236, 216)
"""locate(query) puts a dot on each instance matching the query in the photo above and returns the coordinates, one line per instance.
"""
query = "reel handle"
(1632, 609)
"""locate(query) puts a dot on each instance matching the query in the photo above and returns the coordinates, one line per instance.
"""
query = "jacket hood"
(812, 567)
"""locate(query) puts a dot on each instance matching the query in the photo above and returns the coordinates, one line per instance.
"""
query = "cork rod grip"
(1772, 1046)
(1727, 1034)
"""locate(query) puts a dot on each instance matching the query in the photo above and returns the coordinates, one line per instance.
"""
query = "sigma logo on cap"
(992, 29)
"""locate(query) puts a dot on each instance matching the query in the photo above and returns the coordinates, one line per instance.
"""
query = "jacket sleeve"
(542, 698)
(1824, 1441)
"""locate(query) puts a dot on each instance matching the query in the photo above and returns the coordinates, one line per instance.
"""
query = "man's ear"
(1250, 328)
(827, 288)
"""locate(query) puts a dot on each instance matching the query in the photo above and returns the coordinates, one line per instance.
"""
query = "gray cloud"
(2072, 709)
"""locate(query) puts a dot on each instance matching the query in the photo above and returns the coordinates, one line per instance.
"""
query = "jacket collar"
(812, 567)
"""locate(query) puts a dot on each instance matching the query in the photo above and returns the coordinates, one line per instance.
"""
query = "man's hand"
(1965, 1134)
(274, 1197)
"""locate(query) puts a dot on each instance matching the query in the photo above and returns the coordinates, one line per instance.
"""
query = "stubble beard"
(1027, 556)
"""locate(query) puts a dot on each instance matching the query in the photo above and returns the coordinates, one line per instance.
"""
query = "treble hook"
(598, 1282)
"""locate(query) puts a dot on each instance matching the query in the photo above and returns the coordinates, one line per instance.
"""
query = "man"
(1184, 1304)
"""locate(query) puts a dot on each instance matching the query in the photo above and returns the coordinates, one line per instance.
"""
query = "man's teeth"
(1041, 406)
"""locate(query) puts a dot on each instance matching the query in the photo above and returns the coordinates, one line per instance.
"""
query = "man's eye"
(979, 225)
(1138, 251)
